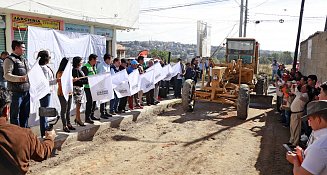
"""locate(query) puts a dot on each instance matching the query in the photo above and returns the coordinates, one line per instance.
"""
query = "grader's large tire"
(261, 86)
(188, 101)
(243, 102)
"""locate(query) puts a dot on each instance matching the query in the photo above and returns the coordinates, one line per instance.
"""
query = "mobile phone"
(287, 147)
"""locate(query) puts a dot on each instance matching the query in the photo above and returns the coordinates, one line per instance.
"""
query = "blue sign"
(104, 32)
(77, 28)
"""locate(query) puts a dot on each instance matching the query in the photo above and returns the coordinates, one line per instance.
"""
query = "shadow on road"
(271, 159)
(230, 122)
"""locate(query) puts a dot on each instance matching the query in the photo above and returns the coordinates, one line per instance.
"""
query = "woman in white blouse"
(44, 59)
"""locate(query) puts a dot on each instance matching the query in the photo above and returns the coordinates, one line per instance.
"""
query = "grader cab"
(233, 82)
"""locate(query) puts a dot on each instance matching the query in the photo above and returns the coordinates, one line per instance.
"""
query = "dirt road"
(209, 141)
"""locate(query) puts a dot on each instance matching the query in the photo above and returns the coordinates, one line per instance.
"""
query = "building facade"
(100, 17)
(313, 58)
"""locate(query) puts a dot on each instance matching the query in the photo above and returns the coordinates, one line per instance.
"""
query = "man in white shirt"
(104, 67)
(297, 108)
(315, 156)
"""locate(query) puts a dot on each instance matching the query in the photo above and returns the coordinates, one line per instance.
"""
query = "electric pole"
(246, 18)
(298, 35)
(241, 19)
(326, 25)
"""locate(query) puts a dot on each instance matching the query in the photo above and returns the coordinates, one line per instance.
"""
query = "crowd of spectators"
(302, 105)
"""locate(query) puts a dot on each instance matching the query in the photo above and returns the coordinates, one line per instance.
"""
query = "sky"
(180, 24)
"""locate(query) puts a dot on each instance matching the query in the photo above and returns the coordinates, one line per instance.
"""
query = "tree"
(159, 53)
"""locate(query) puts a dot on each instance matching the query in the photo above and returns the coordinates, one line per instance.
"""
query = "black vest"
(114, 68)
(20, 69)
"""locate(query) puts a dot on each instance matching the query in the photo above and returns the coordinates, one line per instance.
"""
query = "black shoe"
(70, 127)
(89, 121)
(79, 123)
(66, 129)
(95, 118)
(104, 116)
(156, 102)
(108, 115)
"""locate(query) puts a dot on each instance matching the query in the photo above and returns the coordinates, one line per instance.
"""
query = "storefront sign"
(77, 28)
(108, 33)
(21, 22)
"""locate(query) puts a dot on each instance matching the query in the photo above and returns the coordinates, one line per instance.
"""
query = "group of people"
(14, 94)
(15, 70)
(302, 104)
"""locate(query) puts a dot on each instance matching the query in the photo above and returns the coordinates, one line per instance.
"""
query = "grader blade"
(261, 101)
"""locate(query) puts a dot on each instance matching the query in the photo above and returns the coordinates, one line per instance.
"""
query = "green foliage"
(159, 53)
(281, 57)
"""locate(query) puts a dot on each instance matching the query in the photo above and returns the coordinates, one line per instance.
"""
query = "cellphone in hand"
(287, 147)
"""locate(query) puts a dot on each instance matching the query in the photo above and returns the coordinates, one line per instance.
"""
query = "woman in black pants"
(64, 104)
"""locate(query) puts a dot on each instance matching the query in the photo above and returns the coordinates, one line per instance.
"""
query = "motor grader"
(234, 82)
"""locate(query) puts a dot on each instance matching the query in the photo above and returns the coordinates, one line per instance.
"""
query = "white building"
(101, 17)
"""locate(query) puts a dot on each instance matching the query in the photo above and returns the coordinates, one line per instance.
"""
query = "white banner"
(63, 44)
(118, 77)
(39, 85)
(168, 71)
(134, 81)
(101, 87)
(67, 80)
(123, 90)
(120, 84)
(158, 74)
(177, 69)
(147, 81)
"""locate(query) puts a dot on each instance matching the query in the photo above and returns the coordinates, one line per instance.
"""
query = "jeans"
(156, 91)
(122, 103)
(114, 104)
(178, 88)
(286, 114)
(90, 104)
(65, 109)
(279, 103)
(44, 102)
(103, 108)
(3, 84)
(150, 97)
(273, 75)
(20, 109)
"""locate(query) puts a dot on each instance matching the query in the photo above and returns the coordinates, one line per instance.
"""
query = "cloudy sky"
(180, 24)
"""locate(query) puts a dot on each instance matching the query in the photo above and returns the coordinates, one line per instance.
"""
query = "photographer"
(315, 156)
(19, 145)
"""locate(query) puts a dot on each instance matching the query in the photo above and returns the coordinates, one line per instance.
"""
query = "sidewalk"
(87, 132)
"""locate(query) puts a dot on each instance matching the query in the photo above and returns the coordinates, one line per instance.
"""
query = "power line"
(219, 48)
(271, 14)
(259, 4)
(154, 9)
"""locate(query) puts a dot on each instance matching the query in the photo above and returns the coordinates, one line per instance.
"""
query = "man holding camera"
(315, 156)
(19, 145)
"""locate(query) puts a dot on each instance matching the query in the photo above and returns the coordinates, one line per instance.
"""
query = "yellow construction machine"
(235, 82)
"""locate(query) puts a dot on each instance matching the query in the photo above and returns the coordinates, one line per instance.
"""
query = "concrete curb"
(88, 132)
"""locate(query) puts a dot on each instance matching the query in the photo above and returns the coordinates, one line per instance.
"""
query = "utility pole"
(326, 25)
(241, 19)
(246, 18)
(298, 35)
